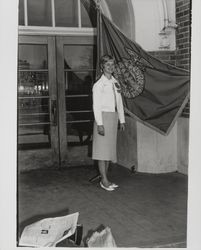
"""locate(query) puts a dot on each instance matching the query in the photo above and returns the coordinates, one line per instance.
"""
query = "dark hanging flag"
(153, 92)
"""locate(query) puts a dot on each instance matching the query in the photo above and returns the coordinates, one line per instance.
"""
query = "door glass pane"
(66, 13)
(79, 82)
(32, 57)
(79, 115)
(79, 57)
(39, 12)
(21, 12)
(79, 77)
(33, 97)
(79, 119)
(88, 13)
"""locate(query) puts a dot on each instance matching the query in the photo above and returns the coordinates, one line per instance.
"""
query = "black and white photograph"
(100, 131)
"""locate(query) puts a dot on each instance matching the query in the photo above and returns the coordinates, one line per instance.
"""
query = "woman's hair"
(105, 59)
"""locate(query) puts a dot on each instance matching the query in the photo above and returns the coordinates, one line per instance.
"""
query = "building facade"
(56, 69)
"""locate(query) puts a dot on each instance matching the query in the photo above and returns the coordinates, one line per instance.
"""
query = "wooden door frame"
(50, 42)
(60, 42)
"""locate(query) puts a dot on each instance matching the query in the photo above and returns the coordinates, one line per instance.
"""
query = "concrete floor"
(147, 210)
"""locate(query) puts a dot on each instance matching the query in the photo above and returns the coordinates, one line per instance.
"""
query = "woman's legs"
(106, 166)
(103, 167)
(106, 169)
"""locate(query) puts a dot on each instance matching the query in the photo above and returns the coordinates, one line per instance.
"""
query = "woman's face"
(108, 67)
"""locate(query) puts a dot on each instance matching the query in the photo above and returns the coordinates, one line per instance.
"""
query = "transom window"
(57, 13)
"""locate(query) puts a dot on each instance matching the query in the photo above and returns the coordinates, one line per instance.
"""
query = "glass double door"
(55, 119)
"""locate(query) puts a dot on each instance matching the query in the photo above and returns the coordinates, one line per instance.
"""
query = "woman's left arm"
(122, 126)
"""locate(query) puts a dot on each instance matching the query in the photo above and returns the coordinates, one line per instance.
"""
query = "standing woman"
(108, 109)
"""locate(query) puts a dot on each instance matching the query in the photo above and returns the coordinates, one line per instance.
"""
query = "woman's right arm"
(97, 105)
(97, 109)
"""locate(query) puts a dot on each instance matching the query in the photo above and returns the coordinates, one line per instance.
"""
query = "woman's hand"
(101, 130)
(122, 127)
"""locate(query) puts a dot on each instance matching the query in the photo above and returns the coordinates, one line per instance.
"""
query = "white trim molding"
(63, 31)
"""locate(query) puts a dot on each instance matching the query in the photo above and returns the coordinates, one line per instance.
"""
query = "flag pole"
(99, 34)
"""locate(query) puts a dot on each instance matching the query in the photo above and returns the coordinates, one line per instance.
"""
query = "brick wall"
(183, 33)
(183, 39)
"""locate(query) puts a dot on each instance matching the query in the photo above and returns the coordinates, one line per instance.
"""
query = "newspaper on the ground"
(49, 232)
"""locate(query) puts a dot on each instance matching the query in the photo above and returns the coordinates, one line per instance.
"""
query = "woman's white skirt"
(104, 147)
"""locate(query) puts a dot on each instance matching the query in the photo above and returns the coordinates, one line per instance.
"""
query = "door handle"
(54, 112)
